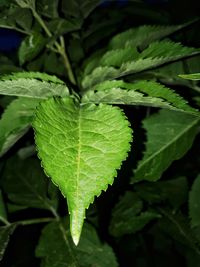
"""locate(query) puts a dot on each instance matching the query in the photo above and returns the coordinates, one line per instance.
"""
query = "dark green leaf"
(25, 184)
(194, 203)
(5, 233)
(56, 248)
(30, 47)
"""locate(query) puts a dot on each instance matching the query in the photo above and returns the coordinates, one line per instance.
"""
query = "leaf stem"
(35, 221)
(60, 47)
(3, 220)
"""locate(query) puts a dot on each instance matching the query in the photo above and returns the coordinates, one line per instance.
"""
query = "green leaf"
(94, 139)
(48, 8)
(150, 94)
(32, 75)
(156, 54)
(193, 76)
(15, 122)
(31, 87)
(127, 216)
(174, 191)
(30, 47)
(56, 249)
(194, 203)
(62, 26)
(143, 35)
(26, 185)
(169, 137)
(3, 215)
(5, 233)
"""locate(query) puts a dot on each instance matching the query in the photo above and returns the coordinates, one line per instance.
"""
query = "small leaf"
(26, 185)
(81, 147)
(193, 76)
(56, 249)
(127, 217)
(5, 233)
(194, 203)
(20, 112)
(169, 137)
(30, 47)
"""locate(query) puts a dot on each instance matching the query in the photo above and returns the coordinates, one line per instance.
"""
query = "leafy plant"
(86, 104)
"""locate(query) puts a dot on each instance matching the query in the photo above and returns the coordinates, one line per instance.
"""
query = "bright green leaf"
(194, 203)
(31, 87)
(81, 147)
(56, 249)
(169, 137)
(16, 121)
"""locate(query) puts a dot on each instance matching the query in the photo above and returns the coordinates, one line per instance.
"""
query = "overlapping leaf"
(146, 93)
(33, 85)
(169, 136)
(74, 142)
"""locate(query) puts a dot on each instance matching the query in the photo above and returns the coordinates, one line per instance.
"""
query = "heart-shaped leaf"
(81, 147)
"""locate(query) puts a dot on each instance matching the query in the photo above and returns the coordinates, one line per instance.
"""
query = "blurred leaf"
(3, 215)
(169, 136)
(55, 248)
(175, 191)
(20, 112)
(5, 232)
(25, 184)
(62, 26)
(194, 203)
(48, 8)
(30, 47)
(193, 76)
(127, 216)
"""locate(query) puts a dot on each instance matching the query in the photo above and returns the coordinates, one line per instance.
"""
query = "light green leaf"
(127, 217)
(194, 203)
(81, 147)
(169, 137)
(150, 94)
(5, 233)
(30, 47)
(143, 35)
(15, 122)
(193, 76)
(32, 88)
(26, 185)
(41, 76)
(56, 249)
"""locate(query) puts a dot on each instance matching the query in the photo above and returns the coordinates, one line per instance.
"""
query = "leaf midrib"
(167, 145)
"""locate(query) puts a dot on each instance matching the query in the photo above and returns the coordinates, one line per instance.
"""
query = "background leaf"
(5, 232)
(26, 185)
(56, 248)
(169, 136)
(194, 203)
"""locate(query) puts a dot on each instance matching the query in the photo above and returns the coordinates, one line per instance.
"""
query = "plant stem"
(35, 221)
(3, 220)
(60, 47)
